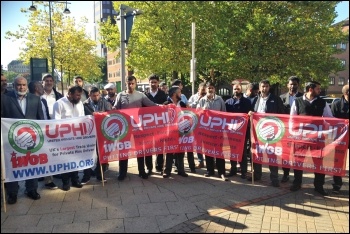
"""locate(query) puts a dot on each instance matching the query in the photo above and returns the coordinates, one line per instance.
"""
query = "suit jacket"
(46, 107)
(285, 100)
(11, 108)
(273, 104)
(102, 105)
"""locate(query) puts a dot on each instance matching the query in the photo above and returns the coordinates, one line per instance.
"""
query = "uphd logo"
(152, 119)
(26, 135)
(224, 123)
(270, 129)
(114, 127)
(334, 132)
(187, 122)
(77, 129)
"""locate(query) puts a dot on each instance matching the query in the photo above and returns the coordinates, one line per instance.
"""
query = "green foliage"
(10, 75)
(238, 39)
(73, 49)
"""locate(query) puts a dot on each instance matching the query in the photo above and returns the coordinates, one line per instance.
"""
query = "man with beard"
(95, 103)
(50, 93)
(111, 93)
(239, 104)
(266, 102)
(156, 95)
(131, 98)
(310, 104)
(65, 108)
(211, 101)
(288, 99)
(78, 80)
(340, 109)
(175, 98)
(19, 104)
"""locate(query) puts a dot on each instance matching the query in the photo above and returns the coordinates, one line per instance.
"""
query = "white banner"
(38, 148)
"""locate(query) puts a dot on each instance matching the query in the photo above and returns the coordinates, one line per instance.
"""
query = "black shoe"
(121, 178)
(244, 176)
(66, 187)
(149, 173)
(223, 177)
(183, 174)
(85, 181)
(77, 184)
(336, 189)
(159, 169)
(255, 178)
(166, 175)
(321, 191)
(207, 174)
(295, 187)
(285, 179)
(51, 185)
(143, 175)
(12, 199)
(193, 170)
(232, 173)
(33, 195)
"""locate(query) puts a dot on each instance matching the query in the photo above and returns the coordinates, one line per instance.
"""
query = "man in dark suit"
(288, 99)
(156, 95)
(19, 104)
(267, 102)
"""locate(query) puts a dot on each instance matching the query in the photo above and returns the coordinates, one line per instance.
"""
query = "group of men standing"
(44, 102)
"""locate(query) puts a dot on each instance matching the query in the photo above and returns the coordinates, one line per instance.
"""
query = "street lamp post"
(125, 30)
(51, 42)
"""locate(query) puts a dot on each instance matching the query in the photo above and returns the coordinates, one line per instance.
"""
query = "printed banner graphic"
(38, 148)
(313, 144)
(140, 132)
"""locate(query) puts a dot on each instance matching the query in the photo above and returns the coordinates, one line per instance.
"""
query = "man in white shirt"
(50, 93)
(65, 108)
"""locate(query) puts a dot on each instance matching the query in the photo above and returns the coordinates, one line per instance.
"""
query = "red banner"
(314, 144)
(139, 132)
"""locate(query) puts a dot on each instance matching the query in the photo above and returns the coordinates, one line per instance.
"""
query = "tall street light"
(51, 42)
(126, 15)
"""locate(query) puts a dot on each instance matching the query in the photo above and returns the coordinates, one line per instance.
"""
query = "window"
(224, 92)
(343, 46)
(331, 80)
(343, 62)
(341, 81)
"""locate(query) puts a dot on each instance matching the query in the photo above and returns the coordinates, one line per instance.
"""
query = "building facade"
(18, 66)
(102, 10)
(337, 81)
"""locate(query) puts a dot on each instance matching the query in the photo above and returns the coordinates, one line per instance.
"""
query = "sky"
(11, 17)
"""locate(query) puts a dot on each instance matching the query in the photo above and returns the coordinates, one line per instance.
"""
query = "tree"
(73, 50)
(251, 40)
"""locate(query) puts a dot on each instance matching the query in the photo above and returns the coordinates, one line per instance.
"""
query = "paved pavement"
(177, 204)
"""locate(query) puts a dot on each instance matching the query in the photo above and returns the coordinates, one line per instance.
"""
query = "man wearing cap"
(78, 80)
(111, 93)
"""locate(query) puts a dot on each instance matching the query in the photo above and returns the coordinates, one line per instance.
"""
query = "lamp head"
(66, 11)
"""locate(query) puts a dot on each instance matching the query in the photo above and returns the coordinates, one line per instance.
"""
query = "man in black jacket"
(95, 103)
(288, 99)
(156, 95)
(267, 102)
(239, 104)
(175, 98)
(340, 109)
